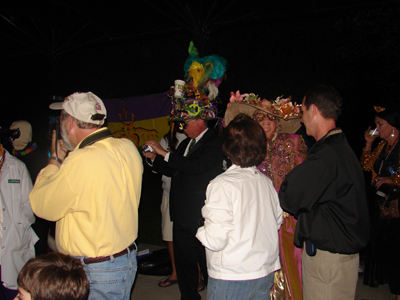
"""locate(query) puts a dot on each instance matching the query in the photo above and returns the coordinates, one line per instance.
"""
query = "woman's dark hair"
(244, 142)
(390, 115)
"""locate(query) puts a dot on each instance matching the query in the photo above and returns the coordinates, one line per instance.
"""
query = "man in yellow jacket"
(93, 195)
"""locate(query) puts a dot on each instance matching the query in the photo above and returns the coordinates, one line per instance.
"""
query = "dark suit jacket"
(190, 176)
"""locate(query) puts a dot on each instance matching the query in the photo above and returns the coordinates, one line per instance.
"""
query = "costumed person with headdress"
(27, 151)
(196, 161)
(280, 120)
(382, 263)
(17, 238)
(170, 142)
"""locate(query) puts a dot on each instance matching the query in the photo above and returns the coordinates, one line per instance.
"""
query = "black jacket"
(190, 176)
(327, 194)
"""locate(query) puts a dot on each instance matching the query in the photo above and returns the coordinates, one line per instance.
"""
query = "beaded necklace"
(19, 153)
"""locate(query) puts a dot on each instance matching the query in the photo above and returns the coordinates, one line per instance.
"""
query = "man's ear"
(69, 123)
(314, 110)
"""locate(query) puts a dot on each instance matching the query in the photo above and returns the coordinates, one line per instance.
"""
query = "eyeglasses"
(261, 116)
(185, 124)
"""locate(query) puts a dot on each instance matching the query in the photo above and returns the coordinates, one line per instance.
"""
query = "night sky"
(131, 48)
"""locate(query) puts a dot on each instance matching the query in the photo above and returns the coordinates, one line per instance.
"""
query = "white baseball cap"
(85, 107)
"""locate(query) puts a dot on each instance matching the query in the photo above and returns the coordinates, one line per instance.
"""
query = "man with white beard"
(93, 195)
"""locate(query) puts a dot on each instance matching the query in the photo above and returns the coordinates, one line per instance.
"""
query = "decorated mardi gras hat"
(281, 109)
(197, 95)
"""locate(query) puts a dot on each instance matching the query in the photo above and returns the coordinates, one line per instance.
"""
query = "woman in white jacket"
(17, 238)
(242, 218)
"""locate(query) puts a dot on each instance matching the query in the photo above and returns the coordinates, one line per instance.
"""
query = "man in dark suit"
(197, 160)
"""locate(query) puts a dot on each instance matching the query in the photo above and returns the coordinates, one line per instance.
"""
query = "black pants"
(42, 228)
(188, 251)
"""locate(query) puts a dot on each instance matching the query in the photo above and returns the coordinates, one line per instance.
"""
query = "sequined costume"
(368, 159)
(285, 152)
(382, 263)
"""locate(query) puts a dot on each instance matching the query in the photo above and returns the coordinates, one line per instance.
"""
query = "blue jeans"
(256, 289)
(112, 279)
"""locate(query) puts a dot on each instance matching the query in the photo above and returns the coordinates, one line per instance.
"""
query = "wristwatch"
(56, 159)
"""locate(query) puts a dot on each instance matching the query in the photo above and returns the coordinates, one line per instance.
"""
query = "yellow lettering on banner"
(126, 113)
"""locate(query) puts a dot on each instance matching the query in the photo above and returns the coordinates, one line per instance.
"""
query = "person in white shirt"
(17, 238)
(242, 218)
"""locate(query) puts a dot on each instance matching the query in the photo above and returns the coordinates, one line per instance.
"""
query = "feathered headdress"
(200, 89)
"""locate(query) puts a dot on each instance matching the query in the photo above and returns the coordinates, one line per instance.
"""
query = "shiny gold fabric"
(368, 158)
(281, 289)
(367, 162)
(284, 153)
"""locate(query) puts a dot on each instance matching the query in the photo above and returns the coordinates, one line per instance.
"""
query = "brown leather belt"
(92, 260)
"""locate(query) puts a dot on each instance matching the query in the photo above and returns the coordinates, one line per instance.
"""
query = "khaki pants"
(329, 276)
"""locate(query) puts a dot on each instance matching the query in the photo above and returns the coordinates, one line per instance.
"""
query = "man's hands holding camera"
(156, 147)
(61, 150)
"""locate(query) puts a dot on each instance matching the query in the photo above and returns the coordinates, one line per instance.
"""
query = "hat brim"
(236, 108)
(56, 106)
(284, 126)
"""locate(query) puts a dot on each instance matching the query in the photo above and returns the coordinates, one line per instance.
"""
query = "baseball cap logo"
(98, 106)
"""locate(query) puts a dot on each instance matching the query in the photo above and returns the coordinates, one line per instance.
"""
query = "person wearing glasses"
(196, 161)
(280, 120)
(93, 195)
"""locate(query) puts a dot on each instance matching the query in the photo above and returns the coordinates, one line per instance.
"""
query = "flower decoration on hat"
(379, 109)
(286, 108)
(282, 109)
(197, 94)
(236, 97)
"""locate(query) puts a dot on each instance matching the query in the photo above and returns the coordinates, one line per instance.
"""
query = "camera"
(55, 125)
(147, 148)
(386, 193)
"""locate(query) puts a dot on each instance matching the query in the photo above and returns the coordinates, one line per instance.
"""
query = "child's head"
(53, 276)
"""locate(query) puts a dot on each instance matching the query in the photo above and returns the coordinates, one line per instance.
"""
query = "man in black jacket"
(327, 194)
(191, 167)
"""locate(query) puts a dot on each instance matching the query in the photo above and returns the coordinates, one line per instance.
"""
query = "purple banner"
(137, 108)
